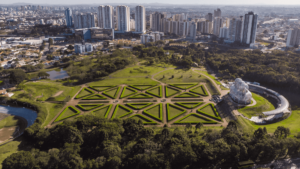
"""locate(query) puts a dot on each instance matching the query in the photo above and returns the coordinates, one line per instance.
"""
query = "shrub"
(116, 109)
(176, 107)
(217, 116)
(150, 122)
(160, 118)
(61, 114)
(138, 108)
(160, 95)
(206, 121)
(123, 92)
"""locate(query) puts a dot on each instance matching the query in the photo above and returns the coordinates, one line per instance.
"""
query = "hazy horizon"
(175, 2)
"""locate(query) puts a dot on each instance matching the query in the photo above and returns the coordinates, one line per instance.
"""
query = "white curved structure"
(239, 92)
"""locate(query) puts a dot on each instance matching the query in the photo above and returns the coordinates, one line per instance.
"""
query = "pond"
(27, 114)
(54, 75)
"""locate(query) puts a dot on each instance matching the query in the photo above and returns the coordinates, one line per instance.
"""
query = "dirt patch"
(58, 93)
(7, 133)
(3, 116)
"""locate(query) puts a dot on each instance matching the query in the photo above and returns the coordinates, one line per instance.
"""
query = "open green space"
(141, 70)
(127, 92)
(9, 121)
(68, 112)
(128, 81)
(187, 95)
(8, 149)
(156, 91)
(174, 111)
(87, 107)
(261, 105)
(155, 112)
(170, 91)
(141, 96)
(189, 105)
(95, 97)
(178, 76)
(200, 90)
(142, 87)
(45, 90)
(138, 106)
(121, 111)
(101, 112)
(209, 75)
(144, 119)
(184, 86)
(101, 88)
(194, 118)
(112, 93)
(84, 93)
(210, 111)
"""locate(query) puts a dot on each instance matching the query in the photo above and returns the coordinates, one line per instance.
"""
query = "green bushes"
(135, 105)
(112, 93)
(144, 119)
(159, 91)
(194, 118)
(124, 94)
(70, 109)
(141, 87)
(209, 114)
(184, 86)
(123, 112)
(107, 111)
(189, 105)
(186, 95)
(141, 96)
(150, 112)
(87, 107)
(84, 93)
(101, 88)
(171, 92)
(95, 97)
(200, 90)
(173, 114)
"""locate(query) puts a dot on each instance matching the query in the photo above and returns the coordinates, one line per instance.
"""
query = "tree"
(259, 133)
(20, 160)
(282, 132)
(17, 76)
(70, 47)
(165, 132)
(43, 74)
(199, 125)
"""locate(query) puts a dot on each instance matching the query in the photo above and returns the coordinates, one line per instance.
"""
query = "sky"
(198, 2)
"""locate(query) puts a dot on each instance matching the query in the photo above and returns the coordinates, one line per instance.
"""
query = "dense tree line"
(90, 142)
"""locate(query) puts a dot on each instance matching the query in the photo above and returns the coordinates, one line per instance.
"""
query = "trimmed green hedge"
(203, 88)
(108, 87)
(107, 111)
(191, 95)
(99, 101)
(134, 91)
(176, 100)
(115, 95)
(191, 85)
(160, 92)
(87, 89)
(160, 118)
(176, 107)
(185, 106)
(138, 108)
(150, 122)
(81, 106)
(217, 116)
(69, 107)
(138, 88)
(208, 121)
(116, 109)
(100, 97)
(130, 101)
(166, 92)
(144, 96)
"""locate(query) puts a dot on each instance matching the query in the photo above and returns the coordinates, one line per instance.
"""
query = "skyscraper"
(140, 19)
(224, 33)
(209, 17)
(217, 13)
(84, 20)
(106, 17)
(217, 25)
(181, 28)
(68, 15)
(235, 28)
(249, 27)
(293, 37)
(123, 18)
(156, 21)
(193, 31)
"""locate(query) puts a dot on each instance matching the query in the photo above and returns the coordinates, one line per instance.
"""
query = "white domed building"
(239, 92)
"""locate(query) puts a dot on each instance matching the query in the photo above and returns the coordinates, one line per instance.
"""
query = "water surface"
(54, 75)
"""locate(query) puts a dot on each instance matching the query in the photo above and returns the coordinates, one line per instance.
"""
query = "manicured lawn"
(101, 112)
(141, 87)
(200, 90)
(112, 92)
(7, 150)
(52, 109)
(140, 70)
(121, 111)
(101, 88)
(84, 93)
(137, 118)
(127, 92)
(138, 106)
(262, 105)
(193, 118)
(95, 97)
(157, 91)
(68, 112)
(144, 119)
(88, 106)
(184, 86)
(171, 91)
(189, 105)
(9, 122)
(208, 109)
(180, 76)
(174, 111)
(187, 95)
(129, 81)
(155, 112)
(209, 75)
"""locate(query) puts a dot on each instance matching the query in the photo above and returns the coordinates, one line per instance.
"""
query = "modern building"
(217, 13)
(224, 33)
(106, 17)
(209, 17)
(95, 33)
(193, 31)
(217, 25)
(68, 15)
(182, 26)
(175, 27)
(156, 21)
(235, 28)
(82, 48)
(249, 27)
(151, 37)
(140, 19)
(132, 24)
(293, 38)
(123, 18)
(84, 20)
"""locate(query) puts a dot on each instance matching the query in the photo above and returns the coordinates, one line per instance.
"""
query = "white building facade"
(140, 19)
(123, 18)
(106, 17)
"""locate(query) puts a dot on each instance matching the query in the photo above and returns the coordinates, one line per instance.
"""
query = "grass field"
(137, 118)
(171, 91)
(120, 111)
(155, 91)
(85, 92)
(193, 118)
(7, 150)
(209, 75)
(174, 111)
(180, 76)
(154, 111)
(100, 112)
(140, 70)
(66, 113)
(200, 90)
(129, 81)
(208, 109)
(262, 105)
(52, 109)
(44, 89)
(9, 122)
